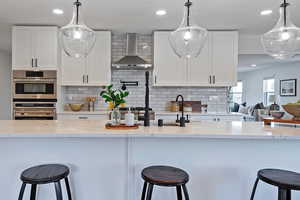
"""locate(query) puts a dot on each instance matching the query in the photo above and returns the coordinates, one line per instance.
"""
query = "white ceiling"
(262, 61)
(139, 15)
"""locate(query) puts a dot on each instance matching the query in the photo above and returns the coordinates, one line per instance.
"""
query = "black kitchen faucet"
(182, 118)
(146, 116)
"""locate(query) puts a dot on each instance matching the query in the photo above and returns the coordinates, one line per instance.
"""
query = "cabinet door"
(73, 71)
(22, 50)
(225, 57)
(45, 47)
(199, 69)
(169, 69)
(98, 61)
(83, 117)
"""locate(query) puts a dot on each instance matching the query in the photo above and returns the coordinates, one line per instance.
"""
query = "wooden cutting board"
(268, 121)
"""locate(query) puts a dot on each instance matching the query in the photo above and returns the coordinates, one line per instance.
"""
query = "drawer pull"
(83, 118)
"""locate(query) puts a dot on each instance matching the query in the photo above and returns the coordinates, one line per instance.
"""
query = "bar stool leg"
(58, 190)
(68, 188)
(144, 191)
(186, 194)
(179, 193)
(33, 192)
(21, 194)
(149, 192)
(284, 194)
(254, 189)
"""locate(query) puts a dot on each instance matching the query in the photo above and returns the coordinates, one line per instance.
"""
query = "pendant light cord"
(77, 4)
(284, 5)
(188, 4)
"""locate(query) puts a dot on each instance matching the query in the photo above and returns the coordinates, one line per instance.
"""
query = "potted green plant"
(115, 97)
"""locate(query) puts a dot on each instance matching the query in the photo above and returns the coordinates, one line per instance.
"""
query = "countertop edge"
(152, 135)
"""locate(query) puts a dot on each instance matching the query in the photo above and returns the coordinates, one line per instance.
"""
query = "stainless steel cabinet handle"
(82, 78)
(83, 118)
(87, 78)
(155, 78)
(209, 80)
(214, 79)
(36, 62)
(31, 62)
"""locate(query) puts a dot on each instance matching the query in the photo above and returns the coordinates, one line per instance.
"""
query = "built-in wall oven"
(34, 84)
(31, 109)
(35, 95)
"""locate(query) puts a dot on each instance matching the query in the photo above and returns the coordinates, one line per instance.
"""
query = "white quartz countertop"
(96, 128)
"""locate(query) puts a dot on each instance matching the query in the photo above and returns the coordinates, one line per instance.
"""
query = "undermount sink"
(171, 124)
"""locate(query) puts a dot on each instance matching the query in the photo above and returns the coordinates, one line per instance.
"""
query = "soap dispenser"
(129, 118)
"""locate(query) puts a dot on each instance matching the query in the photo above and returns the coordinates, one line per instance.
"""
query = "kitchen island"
(222, 158)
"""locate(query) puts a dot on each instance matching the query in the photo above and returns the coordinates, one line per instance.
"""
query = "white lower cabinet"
(95, 70)
(202, 117)
(64, 116)
(217, 118)
(215, 66)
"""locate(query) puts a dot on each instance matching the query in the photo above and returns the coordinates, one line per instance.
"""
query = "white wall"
(253, 82)
(5, 86)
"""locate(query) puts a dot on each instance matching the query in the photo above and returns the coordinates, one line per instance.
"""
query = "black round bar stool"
(164, 176)
(284, 180)
(45, 174)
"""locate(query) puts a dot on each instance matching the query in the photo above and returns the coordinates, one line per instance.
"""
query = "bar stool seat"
(283, 179)
(280, 178)
(165, 176)
(44, 174)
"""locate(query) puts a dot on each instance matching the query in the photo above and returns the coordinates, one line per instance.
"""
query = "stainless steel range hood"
(131, 61)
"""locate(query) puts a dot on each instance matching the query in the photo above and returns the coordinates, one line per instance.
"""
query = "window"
(269, 91)
(236, 93)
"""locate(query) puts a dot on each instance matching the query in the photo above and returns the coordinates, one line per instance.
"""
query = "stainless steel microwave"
(34, 84)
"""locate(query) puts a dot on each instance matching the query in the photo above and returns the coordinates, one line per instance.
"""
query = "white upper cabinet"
(22, 51)
(169, 69)
(199, 70)
(95, 70)
(46, 47)
(215, 66)
(34, 47)
(72, 70)
(224, 57)
(98, 61)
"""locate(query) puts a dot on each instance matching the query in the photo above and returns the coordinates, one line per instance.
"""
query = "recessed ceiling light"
(253, 65)
(266, 12)
(58, 11)
(161, 12)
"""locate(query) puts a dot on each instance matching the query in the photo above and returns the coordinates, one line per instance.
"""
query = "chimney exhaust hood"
(131, 61)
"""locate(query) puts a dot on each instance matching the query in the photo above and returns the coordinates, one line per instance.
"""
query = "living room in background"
(236, 93)
(269, 91)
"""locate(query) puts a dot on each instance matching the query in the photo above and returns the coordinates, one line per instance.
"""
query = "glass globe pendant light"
(282, 41)
(188, 39)
(77, 40)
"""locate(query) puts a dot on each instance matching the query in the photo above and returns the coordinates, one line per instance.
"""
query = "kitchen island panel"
(222, 158)
(98, 166)
(220, 169)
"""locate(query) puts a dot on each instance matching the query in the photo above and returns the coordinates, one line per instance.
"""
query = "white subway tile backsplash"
(216, 98)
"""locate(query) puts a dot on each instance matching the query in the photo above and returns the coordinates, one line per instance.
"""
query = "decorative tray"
(121, 126)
